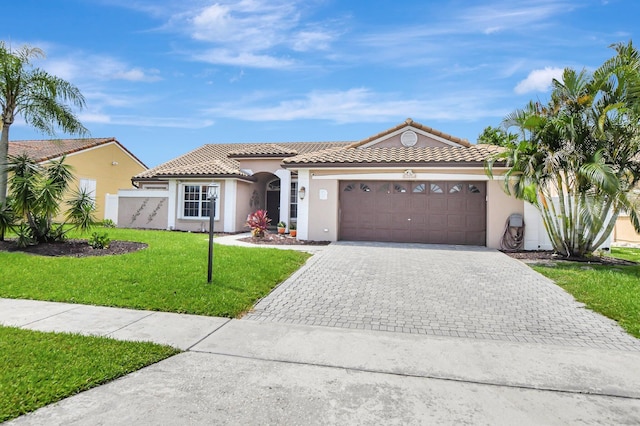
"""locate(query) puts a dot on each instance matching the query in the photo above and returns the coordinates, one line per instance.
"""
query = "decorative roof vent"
(409, 138)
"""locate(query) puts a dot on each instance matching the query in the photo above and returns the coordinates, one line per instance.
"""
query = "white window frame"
(203, 191)
(90, 186)
(293, 200)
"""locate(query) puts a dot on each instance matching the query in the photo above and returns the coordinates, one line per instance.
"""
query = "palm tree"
(577, 159)
(37, 193)
(41, 99)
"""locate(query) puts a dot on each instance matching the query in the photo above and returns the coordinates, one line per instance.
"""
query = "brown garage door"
(420, 212)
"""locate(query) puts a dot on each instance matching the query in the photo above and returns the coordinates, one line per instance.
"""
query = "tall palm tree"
(44, 101)
(578, 157)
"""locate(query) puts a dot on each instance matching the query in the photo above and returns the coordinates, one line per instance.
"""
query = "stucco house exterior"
(409, 183)
(100, 165)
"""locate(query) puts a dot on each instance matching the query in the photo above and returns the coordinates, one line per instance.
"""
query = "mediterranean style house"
(101, 166)
(410, 183)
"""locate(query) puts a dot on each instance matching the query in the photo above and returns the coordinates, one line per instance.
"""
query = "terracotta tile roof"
(395, 155)
(414, 124)
(214, 159)
(263, 150)
(223, 159)
(43, 150)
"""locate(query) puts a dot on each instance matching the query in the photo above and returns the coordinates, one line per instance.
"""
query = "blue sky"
(165, 77)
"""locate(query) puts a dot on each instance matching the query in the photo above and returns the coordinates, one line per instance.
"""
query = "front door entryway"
(273, 201)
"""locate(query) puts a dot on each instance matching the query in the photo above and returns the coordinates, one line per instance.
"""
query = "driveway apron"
(457, 291)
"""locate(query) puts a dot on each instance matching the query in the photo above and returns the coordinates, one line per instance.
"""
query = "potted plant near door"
(292, 230)
(282, 227)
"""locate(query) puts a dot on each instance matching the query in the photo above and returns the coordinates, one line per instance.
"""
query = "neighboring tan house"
(101, 166)
(410, 183)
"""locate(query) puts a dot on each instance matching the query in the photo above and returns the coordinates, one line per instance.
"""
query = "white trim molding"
(402, 176)
(285, 190)
(171, 205)
(230, 203)
(303, 206)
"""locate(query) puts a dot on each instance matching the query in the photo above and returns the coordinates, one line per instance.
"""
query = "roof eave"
(201, 176)
(261, 156)
(469, 164)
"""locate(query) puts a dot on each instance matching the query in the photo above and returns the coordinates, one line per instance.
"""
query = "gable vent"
(409, 138)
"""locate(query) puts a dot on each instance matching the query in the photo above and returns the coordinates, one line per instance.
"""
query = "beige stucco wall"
(624, 232)
(324, 214)
(244, 204)
(143, 212)
(260, 165)
(499, 207)
(98, 164)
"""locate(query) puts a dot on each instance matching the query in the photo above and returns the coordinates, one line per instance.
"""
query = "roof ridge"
(410, 122)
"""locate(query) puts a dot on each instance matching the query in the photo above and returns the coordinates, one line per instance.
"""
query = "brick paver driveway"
(458, 291)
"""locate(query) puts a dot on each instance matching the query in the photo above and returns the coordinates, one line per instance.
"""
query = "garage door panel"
(437, 203)
(418, 221)
(401, 235)
(439, 212)
(456, 222)
(437, 221)
(456, 203)
(438, 237)
(475, 223)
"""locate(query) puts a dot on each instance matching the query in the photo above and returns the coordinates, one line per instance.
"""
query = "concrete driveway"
(457, 291)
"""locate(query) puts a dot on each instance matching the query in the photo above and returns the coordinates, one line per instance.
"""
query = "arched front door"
(273, 201)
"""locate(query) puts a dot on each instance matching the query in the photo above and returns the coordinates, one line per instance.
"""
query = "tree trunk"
(4, 152)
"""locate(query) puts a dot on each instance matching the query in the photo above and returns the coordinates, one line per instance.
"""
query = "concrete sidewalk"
(249, 372)
(177, 330)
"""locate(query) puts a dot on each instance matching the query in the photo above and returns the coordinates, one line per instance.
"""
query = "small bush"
(25, 237)
(99, 241)
(7, 219)
(108, 223)
(258, 223)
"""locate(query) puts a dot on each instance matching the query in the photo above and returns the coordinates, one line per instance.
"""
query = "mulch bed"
(73, 248)
(282, 240)
(549, 257)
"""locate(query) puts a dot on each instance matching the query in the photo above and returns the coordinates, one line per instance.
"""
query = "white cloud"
(501, 16)
(82, 66)
(539, 80)
(360, 105)
(169, 122)
(243, 59)
(94, 118)
(252, 33)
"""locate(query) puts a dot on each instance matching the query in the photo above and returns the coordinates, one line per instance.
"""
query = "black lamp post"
(212, 195)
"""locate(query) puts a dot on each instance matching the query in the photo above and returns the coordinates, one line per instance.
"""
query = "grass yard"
(42, 368)
(170, 275)
(613, 291)
(626, 253)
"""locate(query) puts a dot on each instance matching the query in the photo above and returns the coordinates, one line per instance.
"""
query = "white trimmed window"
(194, 203)
(89, 187)
(293, 201)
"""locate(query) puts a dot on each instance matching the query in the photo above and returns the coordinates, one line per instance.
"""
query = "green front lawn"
(170, 275)
(613, 291)
(626, 253)
(42, 368)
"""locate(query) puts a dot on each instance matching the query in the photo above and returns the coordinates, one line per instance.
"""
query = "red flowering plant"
(258, 223)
